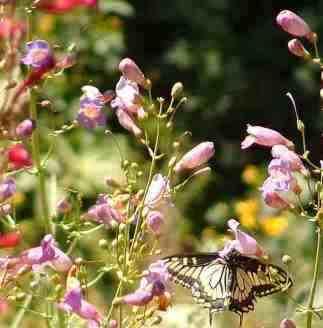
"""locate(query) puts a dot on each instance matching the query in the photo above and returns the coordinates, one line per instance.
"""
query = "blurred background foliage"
(234, 64)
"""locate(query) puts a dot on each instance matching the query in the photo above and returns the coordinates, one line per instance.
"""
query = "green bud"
(103, 243)
(177, 89)
(287, 259)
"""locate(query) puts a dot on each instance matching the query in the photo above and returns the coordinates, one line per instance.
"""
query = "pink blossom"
(104, 212)
(63, 206)
(293, 24)
(155, 220)
(25, 128)
(196, 157)
(126, 120)
(296, 47)
(128, 97)
(7, 189)
(158, 192)
(264, 137)
(47, 254)
(12, 29)
(282, 152)
(73, 302)
(287, 323)
(131, 71)
(243, 243)
(64, 6)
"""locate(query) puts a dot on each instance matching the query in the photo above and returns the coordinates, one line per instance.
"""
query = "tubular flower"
(73, 302)
(264, 137)
(64, 6)
(128, 97)
(293, 24)
(25, 128)
(7, 189)
(131, 71)
(47, 254)
(104, 212)
(91, 112)
(196, 157)
(126, 121)
(19, 157)
(154, 283)
(155, 220)
(158, 192)
(10, 239)
(296, 47)
(243, 243)
(283, 153)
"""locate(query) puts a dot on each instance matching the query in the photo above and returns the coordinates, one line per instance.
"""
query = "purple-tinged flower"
(25, 128)
(296, 47)
(7, 189)
(128, 97)
(196, 157)
(264, 137)
(243, 243)
(158, 192)
(271, 193)
(38, 55)
(283, 153)
(154, 283)
(287, 323)
(155, 220)
(126, 121)
(91, 113)
(293, 24)
(63, 206)
(131, 71)
(73, 302)
(47, 254)
(104, 212)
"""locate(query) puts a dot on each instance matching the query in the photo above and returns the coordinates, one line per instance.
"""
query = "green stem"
(17, 320)
(40, 171)
(315, 278)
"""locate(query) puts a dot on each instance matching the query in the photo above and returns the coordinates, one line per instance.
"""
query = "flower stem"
(315, 278)
(40, 171)
(18, 318)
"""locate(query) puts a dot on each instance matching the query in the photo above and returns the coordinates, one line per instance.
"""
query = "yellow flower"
(251, 175)
(274, 225)
(247, 211)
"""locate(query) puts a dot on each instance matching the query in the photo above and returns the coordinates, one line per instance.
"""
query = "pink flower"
(25, 128)
(154, 283)
(286, 323)
(7, 189)
(126, 121)
(296, 47)
(293, 24)
(63, 206)
(158, 192)
(131, 71)
(47, 254)
(19, 157)
(104, 212)
(264, 137)
(64, 6)
(196, 157)
(282, 152)
(155, 220)
(128, 97)
(271, 194)
(12, 29)
(243, 243)
(73, 302)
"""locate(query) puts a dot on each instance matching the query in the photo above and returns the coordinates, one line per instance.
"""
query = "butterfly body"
(229, 282)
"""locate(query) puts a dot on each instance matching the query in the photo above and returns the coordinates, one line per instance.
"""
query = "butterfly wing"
(253, 278)
(207, 275)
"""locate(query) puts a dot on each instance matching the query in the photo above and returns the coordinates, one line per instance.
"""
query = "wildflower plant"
(51, 280)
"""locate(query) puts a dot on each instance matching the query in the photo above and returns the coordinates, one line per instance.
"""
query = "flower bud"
(296, 47)
(131, 71)
(155, 220)
(127, 122)
(19, 157)
(25, 129)
(177, 89)
(10, 239)
(7, 189)
(196, 157)
(286, 259)
(63, 206)
(293, 24)
(113, 324)
(286, 323)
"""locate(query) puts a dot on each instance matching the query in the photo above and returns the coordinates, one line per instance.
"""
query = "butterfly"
(229, 282)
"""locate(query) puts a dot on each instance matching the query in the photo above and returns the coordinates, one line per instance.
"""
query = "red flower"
(64, 6)
(18, 156)
(11, 29)
(10, 239)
